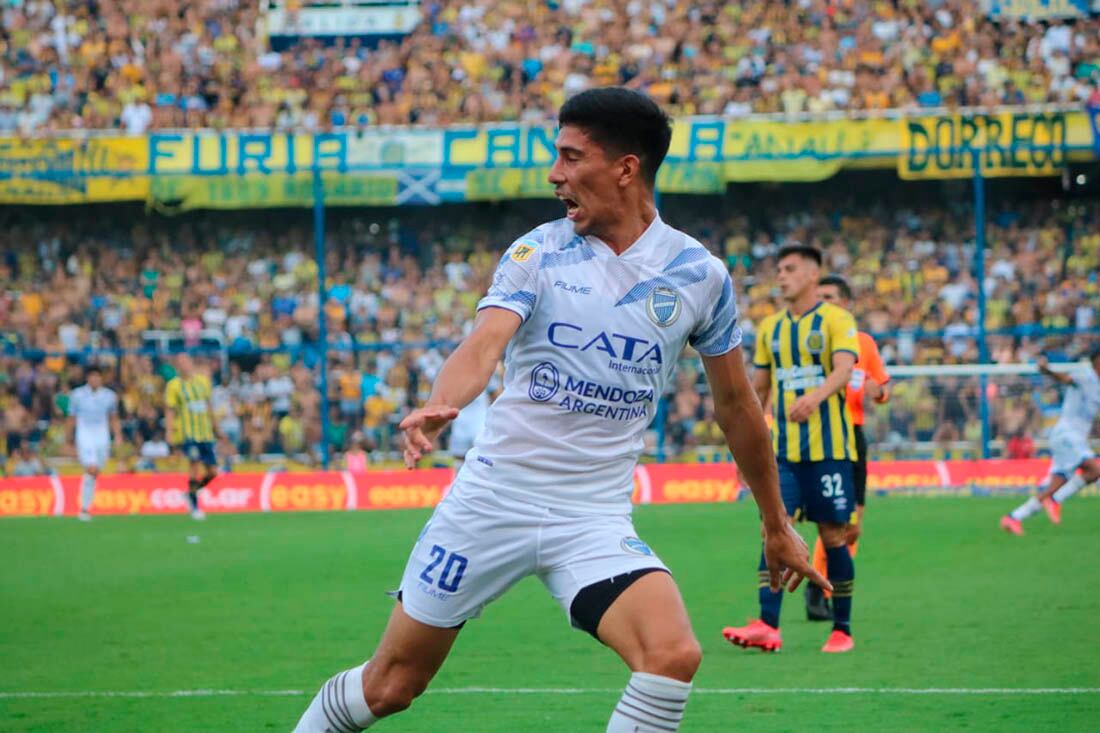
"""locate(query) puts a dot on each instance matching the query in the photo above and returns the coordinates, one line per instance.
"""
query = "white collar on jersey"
(642, 246)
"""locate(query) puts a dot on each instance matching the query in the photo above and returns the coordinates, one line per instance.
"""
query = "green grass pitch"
(279, 602)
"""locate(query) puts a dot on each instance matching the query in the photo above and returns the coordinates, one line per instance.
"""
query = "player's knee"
(679, 659)
(833, 535)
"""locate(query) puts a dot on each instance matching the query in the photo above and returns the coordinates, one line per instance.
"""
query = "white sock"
(339, 707)
(1071, 487)
(87, 492)
(651, 703)
(1026, 509)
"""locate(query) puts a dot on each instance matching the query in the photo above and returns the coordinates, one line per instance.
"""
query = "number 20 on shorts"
(452, 572)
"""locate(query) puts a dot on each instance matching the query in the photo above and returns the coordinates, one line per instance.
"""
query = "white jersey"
(92, 410)
(1081, 403)
(599, 342)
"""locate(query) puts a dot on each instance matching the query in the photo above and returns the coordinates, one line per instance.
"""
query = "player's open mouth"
(571, 207)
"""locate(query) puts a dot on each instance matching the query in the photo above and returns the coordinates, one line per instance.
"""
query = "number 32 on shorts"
(452, 572)
(832, 485)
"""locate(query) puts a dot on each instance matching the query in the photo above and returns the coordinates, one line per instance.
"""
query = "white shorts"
(93, 453)
(478, 544)
(1069, 449)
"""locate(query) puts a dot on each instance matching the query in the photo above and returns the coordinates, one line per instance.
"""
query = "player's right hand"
(421, 426)
(788, 560)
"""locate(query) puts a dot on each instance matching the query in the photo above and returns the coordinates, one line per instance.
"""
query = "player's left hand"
(421, 426)
(788, 560)
(802, 408)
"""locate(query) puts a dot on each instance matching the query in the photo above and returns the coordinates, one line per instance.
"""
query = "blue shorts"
(199, 452)
(818, 491)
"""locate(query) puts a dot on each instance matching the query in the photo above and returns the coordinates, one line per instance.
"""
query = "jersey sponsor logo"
(636, 546)
(545, 381)
(663, 307)
(815, 342)
(800, 377)
(585, 388)
(575, 289)
(619, 347)
(608, 412)
(587, 397)
(522, 253)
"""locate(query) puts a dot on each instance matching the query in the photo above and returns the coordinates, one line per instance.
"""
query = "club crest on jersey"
(815, 342)
(663, 307)
(545, 381)
(522, 253)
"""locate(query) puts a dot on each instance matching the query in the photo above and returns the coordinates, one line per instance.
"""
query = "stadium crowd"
(243, 287)
(138, 65)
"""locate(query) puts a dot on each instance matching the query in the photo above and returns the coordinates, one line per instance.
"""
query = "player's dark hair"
(622, 121)
(839, 283)
(804, 251)
(92, 368)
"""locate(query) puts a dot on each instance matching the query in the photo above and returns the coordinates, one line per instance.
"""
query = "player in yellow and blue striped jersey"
(804, 358)
(190, 426)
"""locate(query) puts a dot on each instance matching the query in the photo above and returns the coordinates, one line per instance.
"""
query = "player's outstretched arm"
(741, 418)
(1044, 368)
(463, 377)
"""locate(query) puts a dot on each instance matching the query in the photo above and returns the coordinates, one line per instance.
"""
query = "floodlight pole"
(979, 273)
(322, 331)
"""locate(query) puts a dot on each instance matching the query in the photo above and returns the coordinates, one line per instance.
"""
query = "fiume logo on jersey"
(544, 382)
(663, 306)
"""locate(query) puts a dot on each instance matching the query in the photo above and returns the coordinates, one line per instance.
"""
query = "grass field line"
(202, 693)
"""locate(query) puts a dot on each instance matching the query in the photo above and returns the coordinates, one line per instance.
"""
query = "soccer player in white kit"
(1069, 445)
(93, 413)
(590, 313)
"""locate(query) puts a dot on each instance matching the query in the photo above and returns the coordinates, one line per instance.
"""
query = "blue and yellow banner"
(73, 170)
(1002, 144)
(427, 166)
(1035, 9)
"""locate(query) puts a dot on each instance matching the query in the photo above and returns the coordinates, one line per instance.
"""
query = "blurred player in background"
(590, 313)
(189, 426)
(93, 417)
(870, 380)
(1069, 445)
(356, 458)
(470, 422)
(805, 355)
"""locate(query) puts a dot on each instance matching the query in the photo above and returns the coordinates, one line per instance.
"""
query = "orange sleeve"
(876, 370)
(871, 363)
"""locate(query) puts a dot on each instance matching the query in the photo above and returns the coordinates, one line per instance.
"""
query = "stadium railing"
(938, 412)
